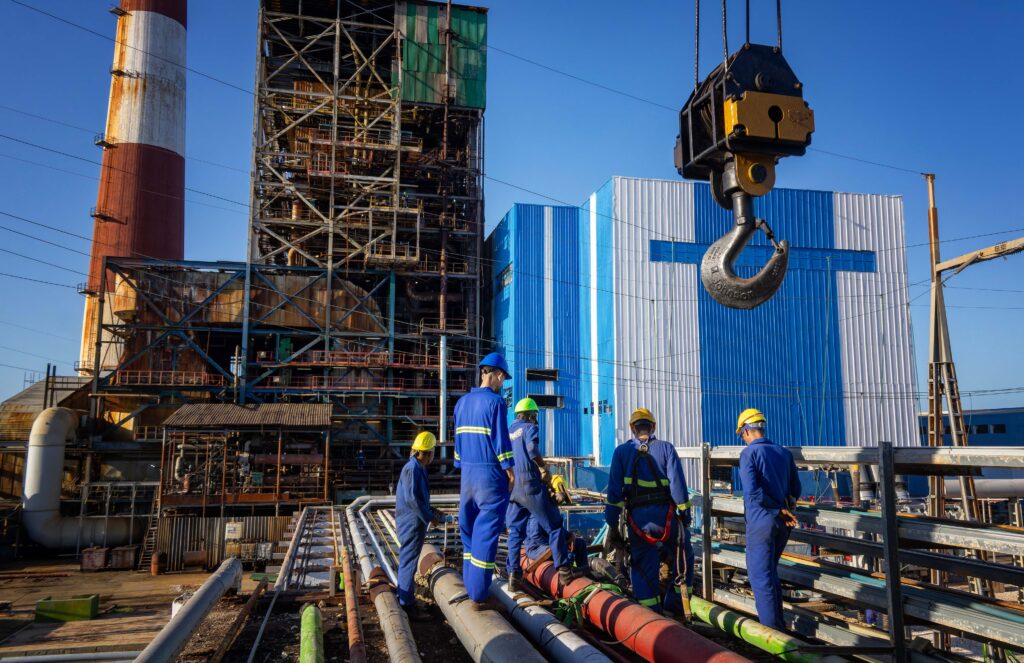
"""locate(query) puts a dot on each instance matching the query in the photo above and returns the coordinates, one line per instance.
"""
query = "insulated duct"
(40, 495)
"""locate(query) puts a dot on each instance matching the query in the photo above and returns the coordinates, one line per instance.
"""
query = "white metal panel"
(657, 356)
(147, 93)
(874, 323)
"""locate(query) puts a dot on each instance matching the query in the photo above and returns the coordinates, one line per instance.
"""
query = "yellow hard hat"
(641, 414)
(749, 416)
(425, 441)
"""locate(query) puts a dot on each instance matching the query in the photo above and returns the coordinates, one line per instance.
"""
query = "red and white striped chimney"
(140, 207)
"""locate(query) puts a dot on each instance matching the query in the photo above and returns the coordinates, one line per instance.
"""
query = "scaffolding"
(361, 285)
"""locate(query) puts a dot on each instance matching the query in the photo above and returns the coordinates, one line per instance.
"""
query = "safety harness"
(646, 494)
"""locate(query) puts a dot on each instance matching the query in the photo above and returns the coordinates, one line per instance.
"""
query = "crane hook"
(716, 269)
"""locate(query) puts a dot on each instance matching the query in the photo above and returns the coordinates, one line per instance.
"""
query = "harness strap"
(647, 537)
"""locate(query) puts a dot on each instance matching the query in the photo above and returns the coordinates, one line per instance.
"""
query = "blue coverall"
(530, 497)
(651, 518)
(769, 477)
(483, 452)
(536, 544)
(412, 517)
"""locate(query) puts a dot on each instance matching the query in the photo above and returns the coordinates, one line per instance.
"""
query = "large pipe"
(92, 656)
(171, 640)
(40, 493)
(559, 642)
(140, 204)
(777, 643)
(486, 635)
(393, 621)
(988, 488)
(640, 629)
(311, 636)
(356, 646)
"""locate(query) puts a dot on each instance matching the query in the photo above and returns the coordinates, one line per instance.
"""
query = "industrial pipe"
(558, 642)
(92, 656)
(777, 643)
(988, 488)
(640, 629)
(173, 637)
(486, 635)
(356, 646)
(393, 621)
(40, 493)
(311, 636)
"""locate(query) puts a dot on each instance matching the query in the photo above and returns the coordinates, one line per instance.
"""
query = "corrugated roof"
(18, 412)
(229, 415)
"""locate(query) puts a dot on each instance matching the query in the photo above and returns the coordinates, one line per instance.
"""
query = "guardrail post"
(891, 547)
(706, 577)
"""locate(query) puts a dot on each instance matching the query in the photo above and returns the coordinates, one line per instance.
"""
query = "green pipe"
(774, 642)
(311, 639)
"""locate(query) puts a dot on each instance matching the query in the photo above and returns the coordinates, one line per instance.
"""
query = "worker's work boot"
(567, 574)
(417, 612)
(515, 582)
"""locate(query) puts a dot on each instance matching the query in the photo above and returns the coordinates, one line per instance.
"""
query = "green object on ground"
(749, 630)
(74, 609)
(311, 639)
(269, 577)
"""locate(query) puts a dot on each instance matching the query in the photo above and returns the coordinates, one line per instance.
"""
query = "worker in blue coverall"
(531, 498)
(413, 516)
(484, 454)
(771, 486)
(646, 479)
(537, 546)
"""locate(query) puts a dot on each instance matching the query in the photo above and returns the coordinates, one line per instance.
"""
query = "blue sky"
(889, 83)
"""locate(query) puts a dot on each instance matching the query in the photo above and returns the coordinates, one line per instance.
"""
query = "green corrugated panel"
(423, 55)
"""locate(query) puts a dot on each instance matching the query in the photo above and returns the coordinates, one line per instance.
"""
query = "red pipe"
(648, 634)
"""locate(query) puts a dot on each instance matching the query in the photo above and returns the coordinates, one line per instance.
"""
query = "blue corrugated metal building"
(829, 358)
(536, 298)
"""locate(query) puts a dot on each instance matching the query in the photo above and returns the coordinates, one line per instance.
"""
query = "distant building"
(600, 310)
(998, 427)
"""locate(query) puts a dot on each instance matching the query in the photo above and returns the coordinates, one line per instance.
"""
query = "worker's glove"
(559, 491)
(545, 474)
(685, 517)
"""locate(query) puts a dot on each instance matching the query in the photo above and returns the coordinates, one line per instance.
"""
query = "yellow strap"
(644, 483)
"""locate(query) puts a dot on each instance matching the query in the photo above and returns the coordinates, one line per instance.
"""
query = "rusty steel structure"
(361, 288)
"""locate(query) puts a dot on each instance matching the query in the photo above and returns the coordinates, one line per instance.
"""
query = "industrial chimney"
(140, 207)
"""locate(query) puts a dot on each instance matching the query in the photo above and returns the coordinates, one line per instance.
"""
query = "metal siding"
(879, 380)
(602, 369)
(565, 316)
(783, 356)
(586, 395)
(656, 331)
(528, 273)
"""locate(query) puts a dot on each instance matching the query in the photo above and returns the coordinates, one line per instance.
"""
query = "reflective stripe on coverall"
(412, 516)
(769, 477)
(483, 453)
(651, 519)
(530, 497)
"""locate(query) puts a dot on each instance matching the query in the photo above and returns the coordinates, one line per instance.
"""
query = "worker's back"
(481, 417)
(769, 476)
(525, 437)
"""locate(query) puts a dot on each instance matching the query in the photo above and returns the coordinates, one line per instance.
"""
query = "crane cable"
(725, 35)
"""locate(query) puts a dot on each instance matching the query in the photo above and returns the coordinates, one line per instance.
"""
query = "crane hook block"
(745, 116)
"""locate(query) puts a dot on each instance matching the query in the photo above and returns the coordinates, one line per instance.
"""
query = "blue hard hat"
(497, 361)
